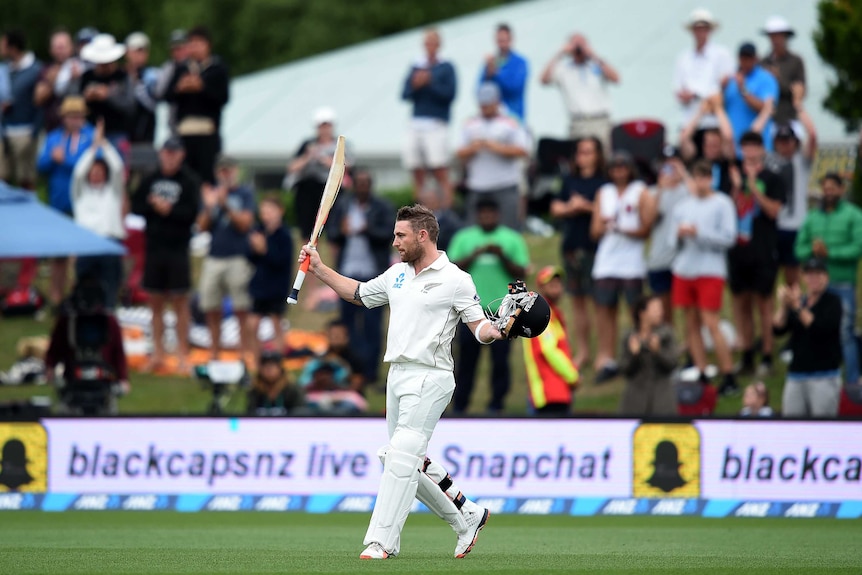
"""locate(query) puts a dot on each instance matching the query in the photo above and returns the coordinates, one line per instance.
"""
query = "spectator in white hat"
(787, 67)
(699, 72)
(107, 89)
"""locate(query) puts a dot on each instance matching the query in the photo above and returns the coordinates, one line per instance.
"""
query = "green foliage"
(838, 42)
(249, 34)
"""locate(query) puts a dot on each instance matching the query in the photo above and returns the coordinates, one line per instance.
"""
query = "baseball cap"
(225, 161)
(547, 273)
(488, 94)
(748, 49)
(621, 158)
(785, 132)
(271, 355)
(137, 41)
(173, 143)
(178, 36)
(815, 265)
(86, 34)
(324, 115)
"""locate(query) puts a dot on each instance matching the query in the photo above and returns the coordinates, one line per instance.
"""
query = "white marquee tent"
(270, 111)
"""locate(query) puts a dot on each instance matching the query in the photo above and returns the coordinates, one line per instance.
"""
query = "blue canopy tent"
(30, 229)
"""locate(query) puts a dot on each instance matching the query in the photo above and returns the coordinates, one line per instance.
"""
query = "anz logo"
(399, 281)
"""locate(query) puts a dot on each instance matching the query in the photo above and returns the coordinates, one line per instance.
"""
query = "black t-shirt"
(576, 229)
(816, 348)
(117, 109)
(173, 231)
(757, 233)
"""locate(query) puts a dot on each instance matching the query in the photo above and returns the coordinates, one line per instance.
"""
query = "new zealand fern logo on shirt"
(399, 281)
(429, 286)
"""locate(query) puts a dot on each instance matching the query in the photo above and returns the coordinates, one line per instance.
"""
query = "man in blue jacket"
(508, 70)
(430, 85)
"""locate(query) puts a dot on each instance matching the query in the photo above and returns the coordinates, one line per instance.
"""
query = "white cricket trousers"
(416, 396)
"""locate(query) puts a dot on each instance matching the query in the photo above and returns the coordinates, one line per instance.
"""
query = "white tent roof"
(270, 111)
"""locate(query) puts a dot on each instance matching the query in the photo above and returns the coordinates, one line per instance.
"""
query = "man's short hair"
(337, 323)
(420, 218)
(487, 204)
(833, 176)
(16, 39)
(702, 168)
(273, 199)
(201, 32)
(504, 28)
(751, 139)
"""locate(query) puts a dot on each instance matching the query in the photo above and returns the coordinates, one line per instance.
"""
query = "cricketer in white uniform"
(427, 295)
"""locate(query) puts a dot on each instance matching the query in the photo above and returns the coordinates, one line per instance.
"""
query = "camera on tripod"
(224, 378)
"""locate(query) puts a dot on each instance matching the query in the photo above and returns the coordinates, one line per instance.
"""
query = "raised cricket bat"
(330, 192)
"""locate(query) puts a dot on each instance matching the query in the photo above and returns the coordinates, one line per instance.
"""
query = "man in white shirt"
(427, 295)
(699, 73)
(491, 146)
(583, 81)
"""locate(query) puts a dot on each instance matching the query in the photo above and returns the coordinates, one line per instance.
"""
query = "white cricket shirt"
(424, 310)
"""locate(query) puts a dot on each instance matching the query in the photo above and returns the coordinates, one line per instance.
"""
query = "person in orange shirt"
(552, 376)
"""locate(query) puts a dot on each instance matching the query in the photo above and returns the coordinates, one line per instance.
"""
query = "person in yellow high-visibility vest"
(552, 376)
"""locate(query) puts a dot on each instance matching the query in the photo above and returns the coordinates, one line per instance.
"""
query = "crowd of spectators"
(726, 205)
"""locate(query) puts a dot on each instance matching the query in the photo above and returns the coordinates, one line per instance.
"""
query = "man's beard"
(411, 253)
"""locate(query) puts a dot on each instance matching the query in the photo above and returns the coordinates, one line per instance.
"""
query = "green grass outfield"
(168, 542)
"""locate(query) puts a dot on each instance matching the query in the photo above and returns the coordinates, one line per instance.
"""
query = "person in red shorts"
(705, 224)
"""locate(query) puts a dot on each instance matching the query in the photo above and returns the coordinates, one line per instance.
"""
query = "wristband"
(478, 332)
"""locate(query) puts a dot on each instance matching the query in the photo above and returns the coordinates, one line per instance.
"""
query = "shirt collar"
(440, 262)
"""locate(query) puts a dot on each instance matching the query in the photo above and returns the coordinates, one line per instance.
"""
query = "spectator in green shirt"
(833, 232)
(494, 255)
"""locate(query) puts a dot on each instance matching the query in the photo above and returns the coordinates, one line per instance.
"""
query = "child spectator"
(755, 401)
(574, 206)
(98, 193)
(649, 356)
(272, 392)
(271, 251)
(621, 222)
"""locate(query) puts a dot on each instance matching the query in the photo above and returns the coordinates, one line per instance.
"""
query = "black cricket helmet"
(522, 313)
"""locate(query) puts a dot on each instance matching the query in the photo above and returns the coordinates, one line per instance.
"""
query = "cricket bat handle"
(297, 283)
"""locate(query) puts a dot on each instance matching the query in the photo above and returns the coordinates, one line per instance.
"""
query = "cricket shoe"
(476, 520)
(375, 551)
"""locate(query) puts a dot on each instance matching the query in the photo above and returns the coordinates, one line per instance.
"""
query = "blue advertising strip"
(583, 507)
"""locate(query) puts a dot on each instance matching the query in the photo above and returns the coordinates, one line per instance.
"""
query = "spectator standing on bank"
(714, 143)
(309, 169)
(108, 90)
(494, 255)
(491, 145)
(430, 85)
(649, 356)
(271, 252)
(61, 49)
(669, 192)
(144, 80)
(700, 72)
(178, 47)
(753, 262)
(228, 214)
(69, 74)
(22, 118)
(199, 88)
(703, 229)
(750, 96)
(574, 206)
(360, 225)
(98, 195)
(63, 148)
(787, 67)
(583, 79)
(833, 233)
(552, 376)
(508, 70)
(621, 222)
(795, 160)
(813, 384)
(169, 200)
